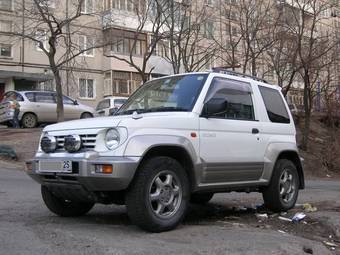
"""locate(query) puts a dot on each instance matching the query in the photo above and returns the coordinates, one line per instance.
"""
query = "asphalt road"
(27, 227)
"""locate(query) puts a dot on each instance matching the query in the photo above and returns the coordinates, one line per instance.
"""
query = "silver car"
(40, 107)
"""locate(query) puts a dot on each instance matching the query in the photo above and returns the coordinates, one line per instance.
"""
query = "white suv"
(109, 106)
(178, 139)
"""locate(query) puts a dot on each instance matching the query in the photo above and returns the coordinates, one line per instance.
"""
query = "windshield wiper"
(128, 112)
(156, 109)
(166, 109)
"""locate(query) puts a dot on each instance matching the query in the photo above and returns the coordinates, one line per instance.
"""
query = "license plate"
(64, 166)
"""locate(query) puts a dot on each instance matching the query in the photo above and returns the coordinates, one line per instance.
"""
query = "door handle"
(255, 131)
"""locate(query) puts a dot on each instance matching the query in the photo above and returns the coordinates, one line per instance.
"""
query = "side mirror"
(75, 102)
(214, 106)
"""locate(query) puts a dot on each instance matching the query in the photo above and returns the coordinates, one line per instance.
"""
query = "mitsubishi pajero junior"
(178, 139)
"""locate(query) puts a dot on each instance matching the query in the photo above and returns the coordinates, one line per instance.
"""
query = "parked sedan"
(40, 107)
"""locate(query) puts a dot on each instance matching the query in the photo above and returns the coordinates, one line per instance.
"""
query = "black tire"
(63, 207)
(275, 201)
(29, 120)
(86, 115)
(201, 198)
(142, 211)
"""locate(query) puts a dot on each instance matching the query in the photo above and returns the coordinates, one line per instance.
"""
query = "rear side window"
(239, 104)
(275, 106)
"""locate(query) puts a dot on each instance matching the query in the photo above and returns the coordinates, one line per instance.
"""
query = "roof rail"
(226, 71)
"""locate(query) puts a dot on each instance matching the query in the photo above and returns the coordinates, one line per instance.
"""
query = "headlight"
(112, 139)
(48, 143)
(72, 143)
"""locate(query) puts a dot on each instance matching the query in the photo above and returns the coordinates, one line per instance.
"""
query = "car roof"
(231, 75)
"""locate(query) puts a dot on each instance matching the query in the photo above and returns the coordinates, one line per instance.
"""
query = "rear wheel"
(201, 198)
(29, 120)
(63, 207)
(86, 115)
(159, 196)
(282, 192)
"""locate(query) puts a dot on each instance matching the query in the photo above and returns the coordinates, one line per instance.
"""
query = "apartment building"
(91, 75)
(95, 73)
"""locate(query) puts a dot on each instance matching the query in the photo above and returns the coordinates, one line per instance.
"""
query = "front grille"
(88, 142)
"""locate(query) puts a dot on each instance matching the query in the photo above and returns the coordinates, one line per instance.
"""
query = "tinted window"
(239, 104)
(275, 106)
(44, 98)
(103, 104)
(67, 100)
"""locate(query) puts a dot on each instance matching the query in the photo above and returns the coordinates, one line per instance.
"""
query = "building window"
(5, 50)
(86, 45)
(5, 25)
(208, 30)
(87, 6)
(41, 36)
(87, 89)
(127, 46)
(6, 5)
(120, 87)
(125, 5)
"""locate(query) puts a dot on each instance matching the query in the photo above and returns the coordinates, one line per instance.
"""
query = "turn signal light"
(104, 169)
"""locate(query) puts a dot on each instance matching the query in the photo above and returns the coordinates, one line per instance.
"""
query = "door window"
(67, 100)
(103, 104)
(238, 97)
(44, 98)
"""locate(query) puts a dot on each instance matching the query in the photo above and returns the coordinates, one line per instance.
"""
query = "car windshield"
(176, 93)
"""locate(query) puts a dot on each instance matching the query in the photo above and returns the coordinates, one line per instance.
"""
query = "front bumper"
(83, 175)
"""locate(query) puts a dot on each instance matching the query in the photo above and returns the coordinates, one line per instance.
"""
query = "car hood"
(103, 122)
(114, 121)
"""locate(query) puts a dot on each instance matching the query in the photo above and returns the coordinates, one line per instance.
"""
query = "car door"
(230, 141)
(103, 107)
(71, 110)
(45, 106)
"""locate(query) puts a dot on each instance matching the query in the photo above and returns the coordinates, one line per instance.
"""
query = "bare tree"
(305, 20)
(150, 18)
(191, 36)
(256, 21)
(55, 30)
(231, 37)
(282, 60)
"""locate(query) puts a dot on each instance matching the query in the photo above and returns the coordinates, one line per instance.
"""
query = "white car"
(109, 106)
(177, 139)
(41, 107)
